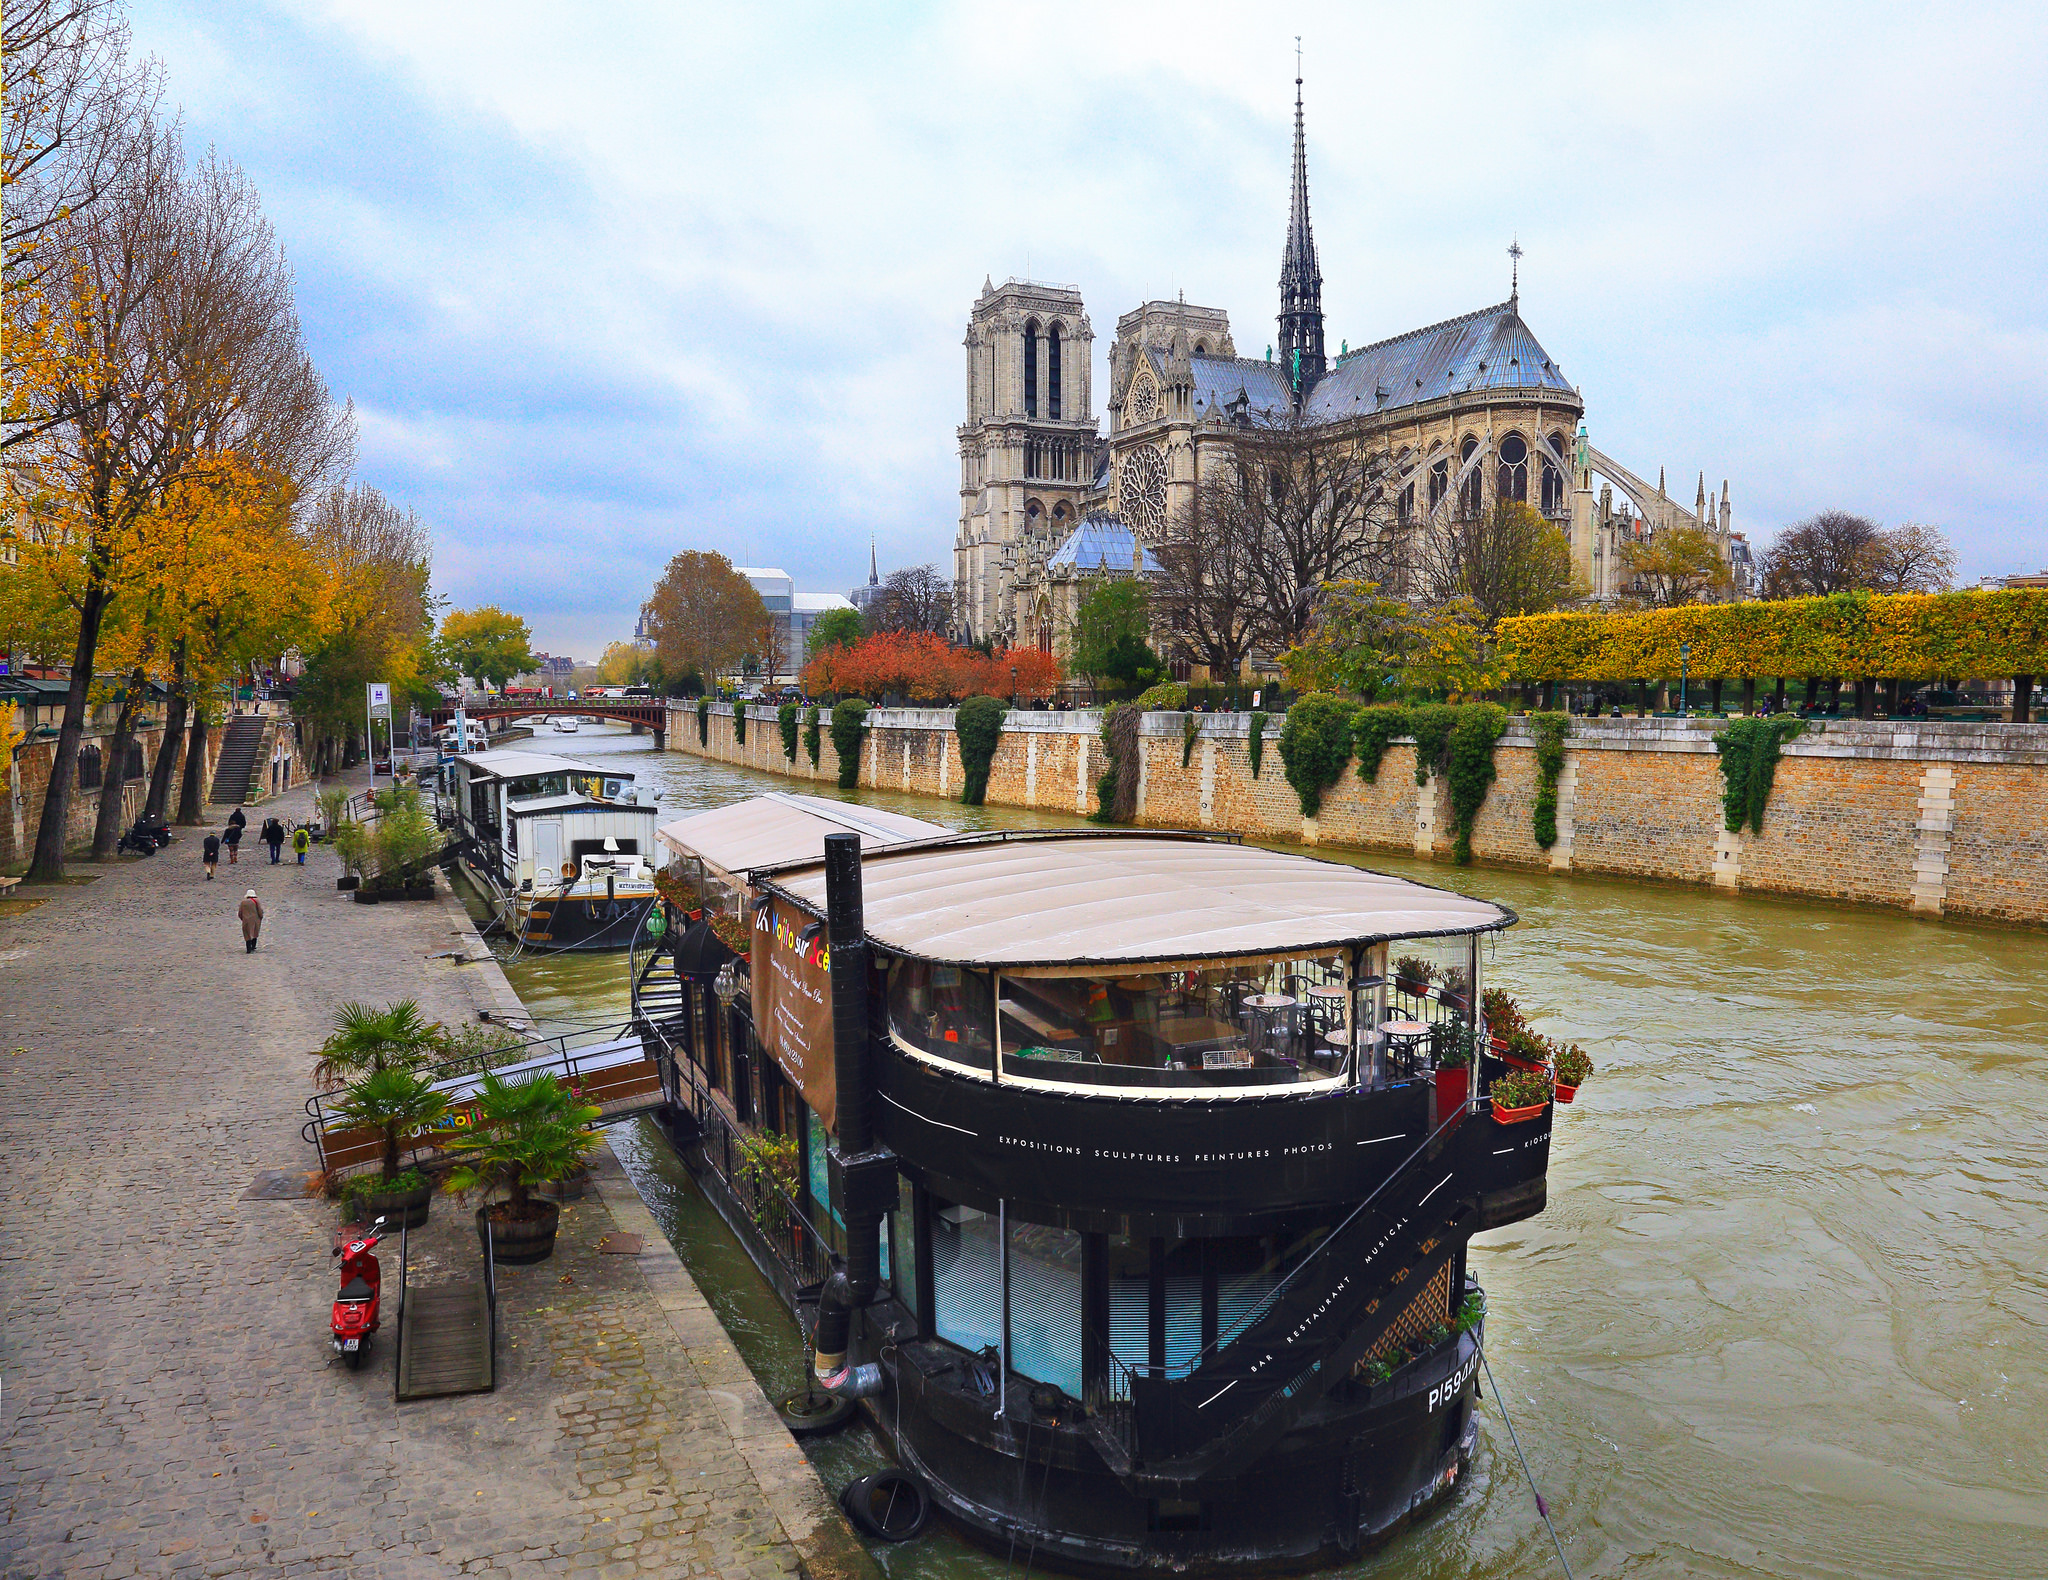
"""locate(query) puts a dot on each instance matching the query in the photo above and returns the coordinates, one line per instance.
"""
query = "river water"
(1786, 1313)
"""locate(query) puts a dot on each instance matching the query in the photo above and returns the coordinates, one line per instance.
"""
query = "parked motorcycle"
(355, 1308)
(154, 828)
(138, 841)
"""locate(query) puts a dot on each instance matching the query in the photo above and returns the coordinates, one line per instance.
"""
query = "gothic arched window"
(1553, 480)
(1513, 479)
(1439, 483)
(1405, 505)
(1469, 490)
(1031, 368)
(1052, 373)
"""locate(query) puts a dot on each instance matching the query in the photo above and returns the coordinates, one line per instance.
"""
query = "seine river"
(1786, 1313)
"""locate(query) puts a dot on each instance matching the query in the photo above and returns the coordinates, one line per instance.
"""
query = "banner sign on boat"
(792, 993)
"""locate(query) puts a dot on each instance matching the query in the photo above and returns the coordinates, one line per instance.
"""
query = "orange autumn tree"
(925, 668)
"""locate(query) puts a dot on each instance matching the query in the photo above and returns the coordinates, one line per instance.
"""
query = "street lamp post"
(1013, 685)
(1684, 654)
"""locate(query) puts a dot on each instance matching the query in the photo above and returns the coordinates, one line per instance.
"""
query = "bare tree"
(916, 598)
(1914, 557)
(1321, 510)
(1207, 590)
(1507, 560)
(1828, 553)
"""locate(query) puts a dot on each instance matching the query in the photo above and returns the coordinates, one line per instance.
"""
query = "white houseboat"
(562, 847)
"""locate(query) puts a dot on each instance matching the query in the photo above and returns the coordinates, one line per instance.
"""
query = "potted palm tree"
(400, 1103)
(396, 1037)
(526, 1133)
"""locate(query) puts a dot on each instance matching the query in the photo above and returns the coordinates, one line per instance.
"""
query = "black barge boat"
(1129, 1176)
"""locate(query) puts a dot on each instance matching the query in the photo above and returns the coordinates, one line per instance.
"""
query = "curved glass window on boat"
(1257, 1023)
(942, 1010)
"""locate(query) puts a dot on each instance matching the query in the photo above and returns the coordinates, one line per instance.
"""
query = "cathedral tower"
(1301, 279)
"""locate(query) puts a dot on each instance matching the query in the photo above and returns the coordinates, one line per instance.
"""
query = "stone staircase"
(241, 752)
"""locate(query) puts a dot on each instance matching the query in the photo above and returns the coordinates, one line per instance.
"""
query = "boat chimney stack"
(847, 935)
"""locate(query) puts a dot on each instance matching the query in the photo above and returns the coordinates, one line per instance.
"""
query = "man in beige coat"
(251, 913)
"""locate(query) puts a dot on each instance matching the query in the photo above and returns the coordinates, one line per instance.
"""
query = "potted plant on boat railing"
(1524, 1050)
(399, 1103)
(679, 895)
(1503, 1016)
(1521, 1095)
(1456, 988)
(733, 932)
(1572, 1067)
(1413, 976)
(1451, 1047)
(526, 1133)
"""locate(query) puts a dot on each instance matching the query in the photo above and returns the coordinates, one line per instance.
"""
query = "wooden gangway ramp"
(447, 1335)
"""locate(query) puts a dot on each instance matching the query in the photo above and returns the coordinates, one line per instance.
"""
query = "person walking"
(251, 913)
(210, 854)
(231, 836)
(302, 841)
(273, 836)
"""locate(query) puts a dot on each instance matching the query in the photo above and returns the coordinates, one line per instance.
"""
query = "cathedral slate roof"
(1099, 543)
(1484, 350)
(1487, 350)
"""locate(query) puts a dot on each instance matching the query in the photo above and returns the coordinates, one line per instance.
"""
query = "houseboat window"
(1045, 1305)
(1128, 1263)
(903, 1245)
(595, 847)
(967, 1276)
(539, 785)
(941, 1010)
(1261, 1023)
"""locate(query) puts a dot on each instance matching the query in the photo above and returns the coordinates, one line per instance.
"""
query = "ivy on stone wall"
(1373, 729)
(811, 735)
(1255, 743)
(1550, 729)
(1749, 762)
(1315, 744)
(849, 717)
(979, 724)
(1431, 725)
(785, 719)
(704, 722)
(739, 724)
(1116, 791)
(1471, 771)
(1190, 732)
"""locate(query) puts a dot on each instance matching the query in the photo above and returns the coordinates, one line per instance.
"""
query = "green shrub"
(811, 735)
(1169, 696)
(1550, 730)
(1315, 745)
(1749, 762)
(405, 837)
(1255, 742)
(739, 724)
(1372, 731)
(979, 724)
(849, 717)
(785, 719)
(704, 721)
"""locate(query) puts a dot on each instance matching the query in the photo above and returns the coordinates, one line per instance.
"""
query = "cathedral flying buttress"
(1466, 412)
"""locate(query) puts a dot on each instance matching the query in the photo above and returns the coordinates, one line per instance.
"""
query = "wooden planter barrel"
(399, 1209)
(518, 1242)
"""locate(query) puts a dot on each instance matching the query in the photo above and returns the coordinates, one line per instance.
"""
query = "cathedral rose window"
(1143, 491)
(1143, 405)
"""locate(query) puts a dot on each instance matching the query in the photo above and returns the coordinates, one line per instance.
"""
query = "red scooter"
(355, 1308)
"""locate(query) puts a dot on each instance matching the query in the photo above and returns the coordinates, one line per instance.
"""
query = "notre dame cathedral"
(1471, 410)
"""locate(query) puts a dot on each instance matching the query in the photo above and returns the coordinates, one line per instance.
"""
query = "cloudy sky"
(610, 281)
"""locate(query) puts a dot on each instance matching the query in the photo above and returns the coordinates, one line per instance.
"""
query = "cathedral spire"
(874, 564)
(1301, 280)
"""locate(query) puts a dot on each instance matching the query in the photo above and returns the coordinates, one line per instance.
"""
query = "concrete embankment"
(171, 1405)
(1936, 818)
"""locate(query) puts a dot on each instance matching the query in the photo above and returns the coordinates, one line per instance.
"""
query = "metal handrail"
(398, 1345)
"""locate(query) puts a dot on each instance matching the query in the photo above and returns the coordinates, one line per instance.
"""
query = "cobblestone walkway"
(168, 1401)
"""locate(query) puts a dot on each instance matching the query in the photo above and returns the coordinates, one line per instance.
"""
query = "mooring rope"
(1542, 1508)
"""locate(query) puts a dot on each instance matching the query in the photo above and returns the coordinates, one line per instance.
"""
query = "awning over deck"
(768, 830)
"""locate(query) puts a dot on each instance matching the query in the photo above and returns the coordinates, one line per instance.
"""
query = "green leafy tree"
(1111, 629)
(834, 628)
(486, 644)
(1681, 566)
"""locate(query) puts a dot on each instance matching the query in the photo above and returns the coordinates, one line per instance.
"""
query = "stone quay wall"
(27, 782)
(1936, 818)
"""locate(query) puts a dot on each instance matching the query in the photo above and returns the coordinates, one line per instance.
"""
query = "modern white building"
(795, 611)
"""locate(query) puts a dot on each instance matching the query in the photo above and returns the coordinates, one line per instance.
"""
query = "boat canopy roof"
(529, 765)
(574, 803)
(779, 827)
(1072, 900)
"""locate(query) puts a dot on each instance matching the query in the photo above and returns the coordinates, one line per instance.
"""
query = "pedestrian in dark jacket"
(273, 836)
(251, 913)
(210, 854)
(231, 836)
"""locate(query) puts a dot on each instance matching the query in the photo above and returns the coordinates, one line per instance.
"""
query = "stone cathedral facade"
(1469, 411)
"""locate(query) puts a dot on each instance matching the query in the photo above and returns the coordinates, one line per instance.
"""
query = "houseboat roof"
(779, 827)
(527, 765)
(1065, 899)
